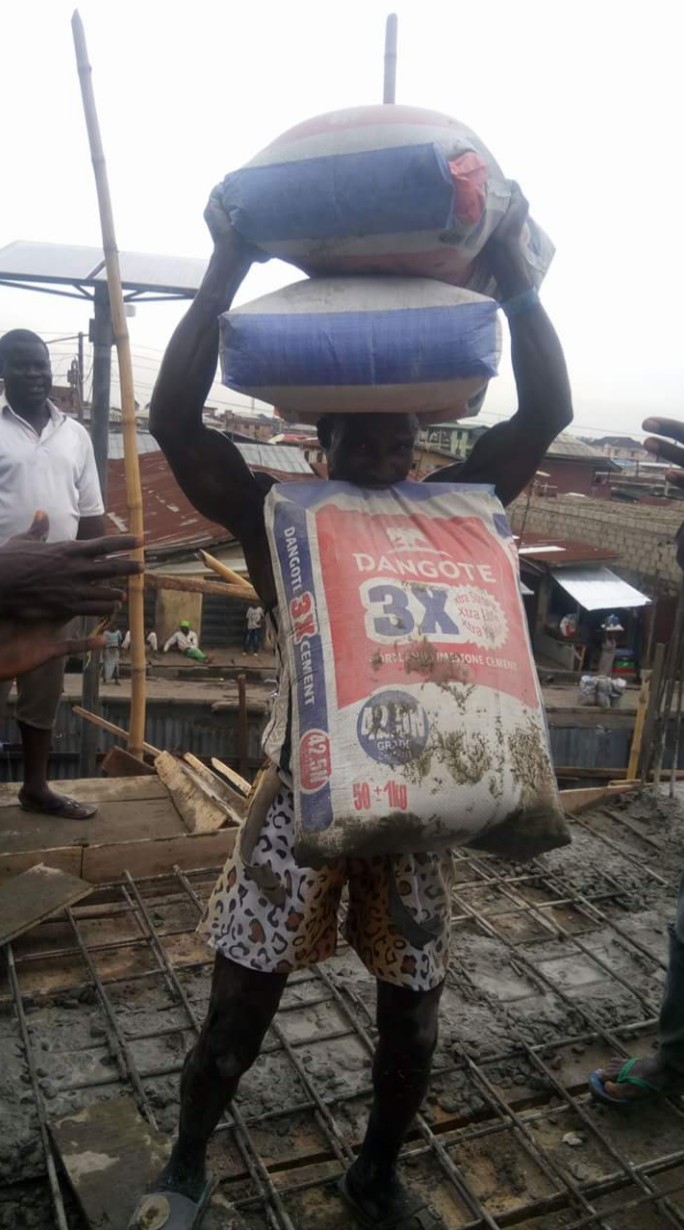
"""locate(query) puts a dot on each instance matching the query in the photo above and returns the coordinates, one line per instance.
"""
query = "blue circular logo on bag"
(392, 728)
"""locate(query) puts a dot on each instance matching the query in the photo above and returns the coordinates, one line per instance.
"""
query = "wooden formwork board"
(136, 827)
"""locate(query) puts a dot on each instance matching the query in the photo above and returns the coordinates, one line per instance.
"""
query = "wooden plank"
(102, 864)
(113, 822)
(234, 800)
(637, 737)
(576, 801)
(651, 713)
(199, 813)
(27, 899)
(110, 1155)
(111, 727)
(610, 775)
(65, 858)
(119, 763)
(202, 769)
(94, 790)
(234, 778)
(243, 725)
(217, 797)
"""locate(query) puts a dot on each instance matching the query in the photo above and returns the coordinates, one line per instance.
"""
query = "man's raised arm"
(208, 467)
(509, 454)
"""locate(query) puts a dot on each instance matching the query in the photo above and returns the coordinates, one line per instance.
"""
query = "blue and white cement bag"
(330, 345)
(417, 719)
(383, 189)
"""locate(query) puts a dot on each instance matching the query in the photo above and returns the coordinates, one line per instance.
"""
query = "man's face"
(371, 450)
(27, 375)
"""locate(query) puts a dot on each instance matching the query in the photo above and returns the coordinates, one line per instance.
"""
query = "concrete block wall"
(641, 536)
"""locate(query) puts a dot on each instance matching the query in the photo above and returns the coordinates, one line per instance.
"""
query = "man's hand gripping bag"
(417, 718)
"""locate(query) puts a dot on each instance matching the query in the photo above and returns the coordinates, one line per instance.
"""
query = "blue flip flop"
(165, 1210)
(624, 1077)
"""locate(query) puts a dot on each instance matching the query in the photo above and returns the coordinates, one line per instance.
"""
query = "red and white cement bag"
(417, 718)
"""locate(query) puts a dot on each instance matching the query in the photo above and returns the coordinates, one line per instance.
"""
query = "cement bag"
(383, 189)
(332, 345)
(417, 719)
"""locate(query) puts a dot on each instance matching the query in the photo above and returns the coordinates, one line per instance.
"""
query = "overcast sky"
(578, 102)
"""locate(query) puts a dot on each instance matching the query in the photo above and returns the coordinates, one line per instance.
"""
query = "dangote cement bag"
(383, 189)
(352, 345)
(417, 719)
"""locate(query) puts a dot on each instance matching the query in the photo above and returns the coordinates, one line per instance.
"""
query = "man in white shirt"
(47, 462)
(254, 618)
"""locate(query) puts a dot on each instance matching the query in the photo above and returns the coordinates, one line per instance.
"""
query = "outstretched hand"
(666, 450)
(41, 581)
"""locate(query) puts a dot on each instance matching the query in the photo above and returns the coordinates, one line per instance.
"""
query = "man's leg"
(38, 696)
(664, 1069)
(407, 1024)
(242, 1005)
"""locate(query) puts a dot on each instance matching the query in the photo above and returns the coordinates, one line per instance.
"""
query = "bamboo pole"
(136, 587)
(197, 585)
(224, 571)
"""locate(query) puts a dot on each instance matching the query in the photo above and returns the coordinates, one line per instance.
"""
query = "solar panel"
(49, 262)
(61, 263)
(164, 274)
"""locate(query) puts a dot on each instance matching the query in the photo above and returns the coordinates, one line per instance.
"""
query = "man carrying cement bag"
(257, 946)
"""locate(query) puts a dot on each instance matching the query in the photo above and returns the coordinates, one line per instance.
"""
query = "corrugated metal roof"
(275, 457)
(146, 444)
(169, 518)
(537, 549)
(599, 589)
(566, 445)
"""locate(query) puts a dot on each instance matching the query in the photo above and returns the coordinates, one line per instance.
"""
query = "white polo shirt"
(54, 471)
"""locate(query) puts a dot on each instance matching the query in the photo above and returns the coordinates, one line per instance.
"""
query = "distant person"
(254, 629)
(45, 585)
(610, 629)
(186, 641)
(151, 640)
(46, 461)
(111, 655)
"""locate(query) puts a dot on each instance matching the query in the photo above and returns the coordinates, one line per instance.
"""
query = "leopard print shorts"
(397, 917)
